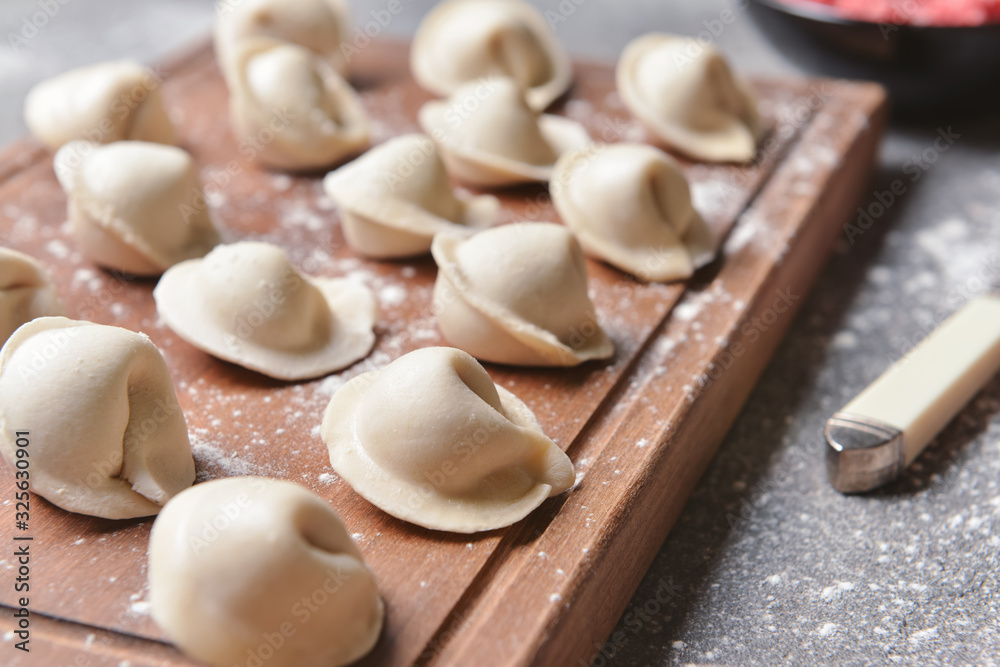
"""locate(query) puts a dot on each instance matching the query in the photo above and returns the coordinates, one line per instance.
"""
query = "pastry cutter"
(879, 433)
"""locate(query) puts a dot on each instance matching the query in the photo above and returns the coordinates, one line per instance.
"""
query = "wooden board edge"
(646, 522)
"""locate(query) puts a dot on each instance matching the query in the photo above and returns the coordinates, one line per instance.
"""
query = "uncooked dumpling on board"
(321, 26)
(110, 101)
(245, 303)
(489, 137)
(291, 109)
(105, 431)
(394, 198)
(517, 294)
(230, 562)
(431, 440)
(461, 41)
(684, 92)
(26, 292)
(135, 206)
(630, 205)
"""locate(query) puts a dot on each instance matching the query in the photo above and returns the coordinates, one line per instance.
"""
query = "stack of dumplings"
(320, 26)
(283, 70)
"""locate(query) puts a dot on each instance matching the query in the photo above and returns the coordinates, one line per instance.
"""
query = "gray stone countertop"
(767, 564)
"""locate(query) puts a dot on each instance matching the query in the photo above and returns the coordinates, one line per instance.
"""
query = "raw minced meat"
(916, 12)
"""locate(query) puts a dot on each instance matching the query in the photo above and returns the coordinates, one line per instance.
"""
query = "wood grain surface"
(639, 428)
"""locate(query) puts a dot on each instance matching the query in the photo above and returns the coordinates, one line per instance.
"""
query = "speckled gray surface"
(767, 564)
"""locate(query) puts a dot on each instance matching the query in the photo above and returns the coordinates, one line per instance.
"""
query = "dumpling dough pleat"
(231, 560)
(685, 93)
(26, 292)
(111, 101)
(517, 294)
(107, 436)
(489, 137)
(431, 440)
(321, 26)
(135, 206)
(464, 40)
(630, 205)
(245, 303)
(395, 197)
(293, 108)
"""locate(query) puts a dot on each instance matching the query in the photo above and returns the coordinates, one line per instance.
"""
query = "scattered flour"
(392, 295)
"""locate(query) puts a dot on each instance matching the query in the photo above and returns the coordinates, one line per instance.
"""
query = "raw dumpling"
(517, 294)
(292, 107)
(248, 566)
(630, 205)
(245, 303)
(489, 137)
(394, 199)
(322, 26)
(102, 103)
(685, 93)
(105, 432)
(135, 206)
(431, 440)
(461, 41)
(26, 292)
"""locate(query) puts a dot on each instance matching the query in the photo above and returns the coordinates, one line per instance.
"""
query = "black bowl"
(928, 70)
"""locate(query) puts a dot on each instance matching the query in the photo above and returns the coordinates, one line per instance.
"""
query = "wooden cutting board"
(640, 429)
